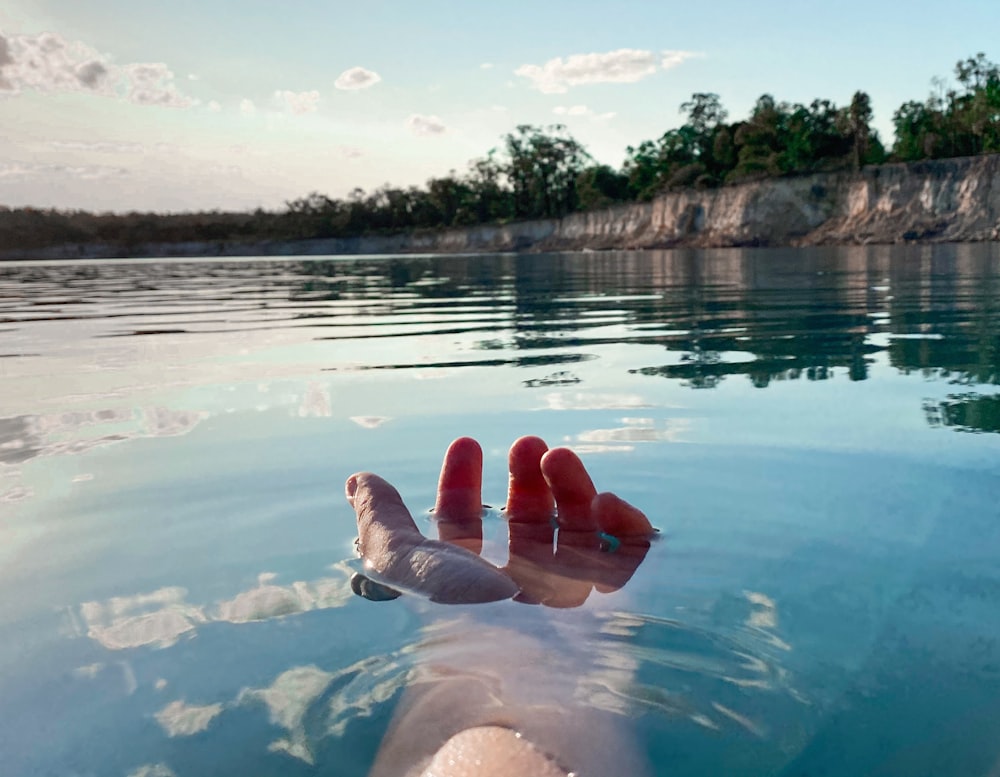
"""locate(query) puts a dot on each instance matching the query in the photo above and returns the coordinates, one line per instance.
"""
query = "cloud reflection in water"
(27, 437)
(160, 618)
(711, 681)
(153, 770)
(180, 720)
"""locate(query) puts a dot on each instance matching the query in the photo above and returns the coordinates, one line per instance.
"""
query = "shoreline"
(940, 201)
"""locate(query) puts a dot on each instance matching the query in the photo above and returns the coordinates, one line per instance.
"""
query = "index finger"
(460, 486)
(459, 505)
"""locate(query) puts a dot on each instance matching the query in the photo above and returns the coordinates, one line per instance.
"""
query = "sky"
(117, 105)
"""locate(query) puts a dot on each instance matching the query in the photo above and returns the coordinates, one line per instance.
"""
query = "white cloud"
(152, 83)
(425, 125)
(613, 67)
(22, 171)
(486, 65)
(298, 103)
(581, 110)
(675, 58)
(98, 147)
(49, 63)
(247, 108)
(357, 78)
(214, 106)
(351, 152)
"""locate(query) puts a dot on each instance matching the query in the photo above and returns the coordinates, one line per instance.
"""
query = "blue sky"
(115, 105)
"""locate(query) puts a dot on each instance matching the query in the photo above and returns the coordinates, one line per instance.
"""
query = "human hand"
(595, 540)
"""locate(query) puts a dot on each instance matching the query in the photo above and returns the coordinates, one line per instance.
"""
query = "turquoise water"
(815, 432)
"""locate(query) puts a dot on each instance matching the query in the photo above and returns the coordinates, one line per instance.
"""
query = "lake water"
(815, 432)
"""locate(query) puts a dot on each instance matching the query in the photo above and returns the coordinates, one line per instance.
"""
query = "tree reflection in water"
(772, 315)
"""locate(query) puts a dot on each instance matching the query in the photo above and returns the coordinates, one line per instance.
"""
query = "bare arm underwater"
(506, 704)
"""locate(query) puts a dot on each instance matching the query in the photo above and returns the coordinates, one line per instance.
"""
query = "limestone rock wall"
(949, 200)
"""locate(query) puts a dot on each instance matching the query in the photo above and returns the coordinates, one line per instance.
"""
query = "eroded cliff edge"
(950, 200)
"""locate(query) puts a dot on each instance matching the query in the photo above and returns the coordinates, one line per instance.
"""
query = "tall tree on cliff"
(449, 197)
(866, 148)
(706, 119)
(980, 104)
(953, 122)
(492, 199)
(761, 141)
(914, 124)
(542, 169)
(600, 186)
(684, 156)
(813, 140)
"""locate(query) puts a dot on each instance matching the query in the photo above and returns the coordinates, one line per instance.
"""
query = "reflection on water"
(705, 316)
(768, 316)
(966, 412)
(161, 617)
(823, 600)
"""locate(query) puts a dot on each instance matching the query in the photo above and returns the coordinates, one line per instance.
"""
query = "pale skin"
(490, 712)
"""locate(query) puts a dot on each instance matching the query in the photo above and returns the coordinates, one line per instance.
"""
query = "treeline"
(544, 173)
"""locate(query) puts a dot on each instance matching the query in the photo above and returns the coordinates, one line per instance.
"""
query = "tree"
(761, 141)
(859, 116)
(449, 196)
(953, 122)
(704, 111)
(493, 200)
(599, 186)
(642, 169)
(542, 168)
(706, 119)
(981, 102)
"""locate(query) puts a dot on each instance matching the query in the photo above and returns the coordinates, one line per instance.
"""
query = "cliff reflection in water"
(774, 315)
(766, 315)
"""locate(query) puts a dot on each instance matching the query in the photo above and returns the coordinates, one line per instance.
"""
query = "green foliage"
(953, 122)
(542, 169)
(599, 186)
(681, 157)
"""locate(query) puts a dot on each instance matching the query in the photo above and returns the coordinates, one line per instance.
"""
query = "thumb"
(393, 547)
(384, 523)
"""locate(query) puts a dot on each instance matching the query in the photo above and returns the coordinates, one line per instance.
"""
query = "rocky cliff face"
(947, 200)
(951, 200)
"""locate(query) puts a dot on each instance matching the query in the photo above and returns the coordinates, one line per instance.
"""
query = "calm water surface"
(815, 432)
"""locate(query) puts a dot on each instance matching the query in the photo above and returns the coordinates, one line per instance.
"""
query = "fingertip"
(463, 464)
(459, 495)
(351, 487)
(563, 464)
(526, 455)
(619, 518)
(557, 454)
(465, 449)
(528, 495)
